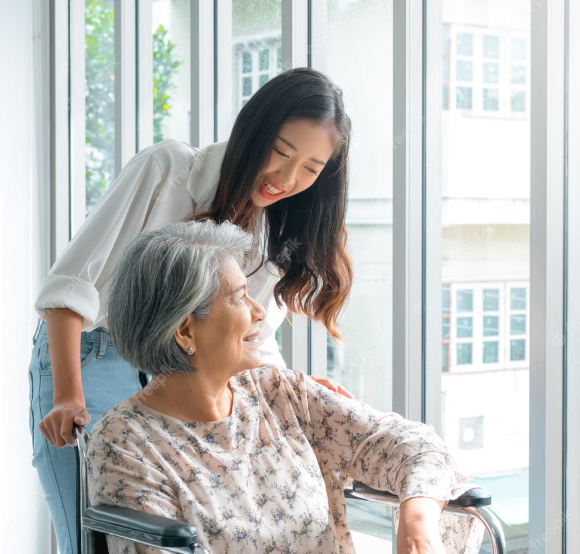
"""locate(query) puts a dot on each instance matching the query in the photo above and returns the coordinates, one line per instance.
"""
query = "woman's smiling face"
(301, 150)
(228, 339)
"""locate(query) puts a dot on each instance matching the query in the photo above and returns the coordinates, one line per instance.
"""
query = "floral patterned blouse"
(270, 477)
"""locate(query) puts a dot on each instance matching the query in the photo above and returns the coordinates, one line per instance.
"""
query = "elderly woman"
(256, 457)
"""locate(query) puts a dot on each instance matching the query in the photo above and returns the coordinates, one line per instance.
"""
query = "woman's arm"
(124, 469)
(64, 337)
(352, 441)
(383, 450)
(418, 531)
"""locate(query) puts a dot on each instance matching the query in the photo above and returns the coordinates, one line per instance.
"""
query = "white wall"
(24, 521)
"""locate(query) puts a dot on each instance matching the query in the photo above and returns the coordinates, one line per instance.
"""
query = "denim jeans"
(107, 379)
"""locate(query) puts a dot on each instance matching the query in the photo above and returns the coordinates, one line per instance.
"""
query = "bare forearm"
(418, 531)
(64, 338)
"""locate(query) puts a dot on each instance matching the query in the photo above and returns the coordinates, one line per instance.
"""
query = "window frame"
(477, 84)
(571, 338)
(546, 79)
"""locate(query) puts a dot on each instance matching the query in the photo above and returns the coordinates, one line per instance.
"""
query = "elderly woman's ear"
(184, 335)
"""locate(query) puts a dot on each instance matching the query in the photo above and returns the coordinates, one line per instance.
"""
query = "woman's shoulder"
(172, 155)
(268, 378)
(123, 418)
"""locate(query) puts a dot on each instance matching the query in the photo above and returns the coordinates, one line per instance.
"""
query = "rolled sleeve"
(68, 291)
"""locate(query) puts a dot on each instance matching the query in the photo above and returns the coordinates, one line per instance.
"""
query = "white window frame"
(478, 338)
(507, 325)
(547, 156)
(254, 48)
(477, 84)
(571, 338)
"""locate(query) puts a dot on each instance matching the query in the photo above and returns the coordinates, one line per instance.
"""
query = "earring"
(190, 351)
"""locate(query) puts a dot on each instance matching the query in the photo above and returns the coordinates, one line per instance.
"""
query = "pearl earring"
(190, 351)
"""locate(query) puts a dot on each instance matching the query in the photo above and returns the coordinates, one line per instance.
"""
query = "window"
(464, 70)
(257, 46)
(171, 70)
(258, 64)
(485, 256)
(446, 49)
(363, 362)
(489, 70)
(99, 98)
(485, 325)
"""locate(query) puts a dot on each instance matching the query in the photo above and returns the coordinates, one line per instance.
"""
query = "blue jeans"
(107, 379)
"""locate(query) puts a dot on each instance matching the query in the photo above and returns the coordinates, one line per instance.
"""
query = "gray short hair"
(163, 276)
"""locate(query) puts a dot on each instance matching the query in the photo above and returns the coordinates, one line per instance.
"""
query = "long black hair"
(307, 231)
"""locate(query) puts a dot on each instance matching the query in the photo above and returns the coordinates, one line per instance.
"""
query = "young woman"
(282, 175)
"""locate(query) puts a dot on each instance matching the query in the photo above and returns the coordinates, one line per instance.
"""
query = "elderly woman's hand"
(329, 384)
(418, 531)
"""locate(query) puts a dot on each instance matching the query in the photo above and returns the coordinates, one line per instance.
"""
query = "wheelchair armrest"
(473, 498)
(140, 526)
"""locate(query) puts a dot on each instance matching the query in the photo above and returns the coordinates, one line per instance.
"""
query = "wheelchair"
(95, 522)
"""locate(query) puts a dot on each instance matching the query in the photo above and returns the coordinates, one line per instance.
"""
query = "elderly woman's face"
(229, 336)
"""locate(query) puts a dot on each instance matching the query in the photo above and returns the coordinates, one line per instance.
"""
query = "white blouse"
(161, 184)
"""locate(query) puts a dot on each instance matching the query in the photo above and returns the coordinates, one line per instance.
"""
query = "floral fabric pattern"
(270, 477)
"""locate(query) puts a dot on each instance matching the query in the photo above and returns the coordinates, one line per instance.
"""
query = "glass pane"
(464, 98)
(171, 70)
(99, 98)
(518, 101)
(256, 47)
(490, 47)
(464, 44)
(490, 325)
(491, 73)
(519, 49)
(490, 99)
(464, 71)
(445, 357)
(246, 62)
(363, 362)
(517, 350)
(263, 80)
(446, 297)
(464, 353)
(518, 74)
(518, 324)
(518, 298)
(464, 300)
(464, 327)
(264, 59)
(446, 39)
(247, 86)
(445, 69)
(445, 327)
(490, 352)
(490, 300)
(485, 248)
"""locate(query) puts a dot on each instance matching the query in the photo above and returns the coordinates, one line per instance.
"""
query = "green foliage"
(99, 98)
(164, 67)
(100, 93)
